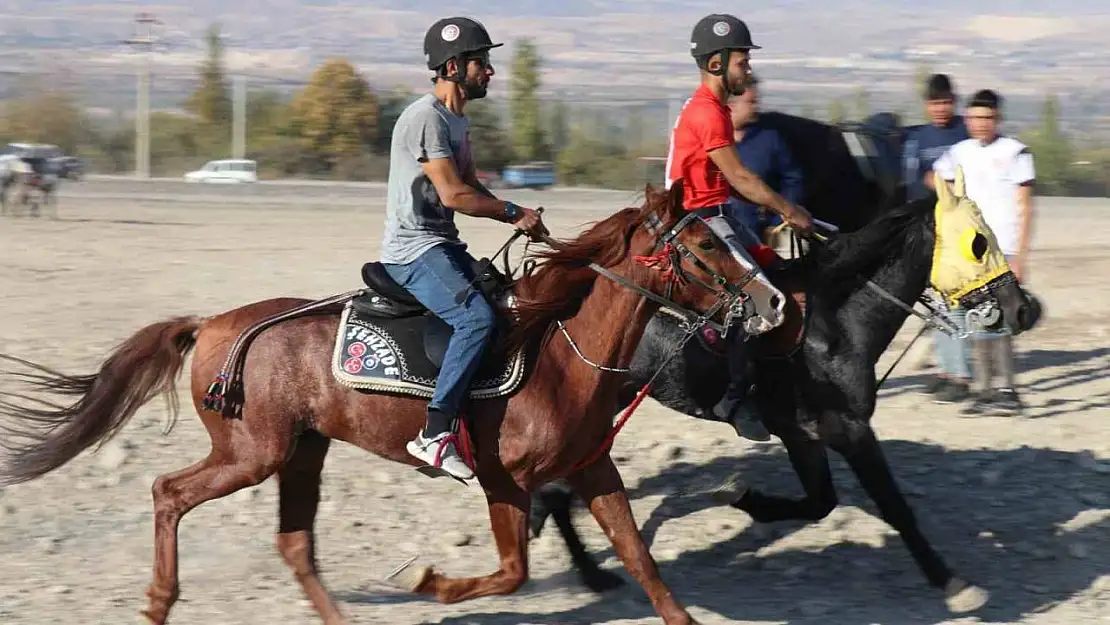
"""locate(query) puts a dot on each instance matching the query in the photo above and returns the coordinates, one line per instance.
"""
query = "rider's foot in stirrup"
(442, 444)
(743, 418)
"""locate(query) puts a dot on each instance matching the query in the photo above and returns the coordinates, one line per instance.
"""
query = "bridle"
(668, 256)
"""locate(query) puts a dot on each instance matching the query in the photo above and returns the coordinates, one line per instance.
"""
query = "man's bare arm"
(747, 183)
(469, 199)
(1025, 226)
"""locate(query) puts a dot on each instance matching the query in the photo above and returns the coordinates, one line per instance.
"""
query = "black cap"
(455, 36)
(717, 32)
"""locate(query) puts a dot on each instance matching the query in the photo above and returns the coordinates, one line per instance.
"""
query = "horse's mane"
(849, 257)
(556, 288)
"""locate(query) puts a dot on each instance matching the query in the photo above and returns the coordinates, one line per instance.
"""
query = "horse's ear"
(674, 199)
(960, 189)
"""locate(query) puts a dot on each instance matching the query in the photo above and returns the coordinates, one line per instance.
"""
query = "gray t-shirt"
(415, 217)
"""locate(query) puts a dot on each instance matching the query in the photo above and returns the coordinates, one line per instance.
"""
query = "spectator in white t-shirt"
(999, 176)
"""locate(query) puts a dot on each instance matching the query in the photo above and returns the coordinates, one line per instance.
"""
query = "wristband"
(512, 212)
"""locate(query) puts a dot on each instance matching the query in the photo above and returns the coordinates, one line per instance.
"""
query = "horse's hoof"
(731, 491)
(961, 596)
(600, 581)
(409, 577)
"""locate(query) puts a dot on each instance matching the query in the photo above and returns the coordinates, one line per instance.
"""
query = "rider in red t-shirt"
(703, 156)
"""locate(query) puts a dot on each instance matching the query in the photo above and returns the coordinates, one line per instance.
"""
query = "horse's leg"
(555, 500)
(298, 500)
(867, 461)
(508, 515)
(601, 486)
(811, 463)
(175, 494)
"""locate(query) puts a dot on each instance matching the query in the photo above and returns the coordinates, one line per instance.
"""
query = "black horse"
(851, 174)
(821, 394)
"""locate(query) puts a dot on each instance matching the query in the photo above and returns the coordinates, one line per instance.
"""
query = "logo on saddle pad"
(378, 351)
(367, 351)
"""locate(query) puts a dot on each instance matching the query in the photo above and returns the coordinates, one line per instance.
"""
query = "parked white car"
(231, 170)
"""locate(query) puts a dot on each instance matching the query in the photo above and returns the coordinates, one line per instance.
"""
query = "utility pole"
(144, 38)
(239, 118)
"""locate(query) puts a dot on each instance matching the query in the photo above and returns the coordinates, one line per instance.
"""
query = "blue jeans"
(953, 354)
(435, 278)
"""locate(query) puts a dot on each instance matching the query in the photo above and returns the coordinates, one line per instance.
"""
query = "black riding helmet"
(719, 33)
(455, 38)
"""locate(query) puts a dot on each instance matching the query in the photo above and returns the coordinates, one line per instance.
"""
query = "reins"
(934, 319)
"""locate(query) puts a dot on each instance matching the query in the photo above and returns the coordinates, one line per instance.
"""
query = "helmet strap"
(723, 73)
(460, 75)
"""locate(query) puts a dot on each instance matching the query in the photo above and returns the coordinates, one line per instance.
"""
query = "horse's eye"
(707, 245)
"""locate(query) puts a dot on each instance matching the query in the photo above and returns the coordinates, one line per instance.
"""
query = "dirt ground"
(1018, 505)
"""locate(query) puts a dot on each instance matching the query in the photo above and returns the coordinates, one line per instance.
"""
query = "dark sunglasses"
(481, 59)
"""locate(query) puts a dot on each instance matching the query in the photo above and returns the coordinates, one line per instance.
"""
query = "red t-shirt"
(703, 125)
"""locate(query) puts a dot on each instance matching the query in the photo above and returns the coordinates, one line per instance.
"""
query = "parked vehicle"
(229, 170)
(534, 175)
(68, 167)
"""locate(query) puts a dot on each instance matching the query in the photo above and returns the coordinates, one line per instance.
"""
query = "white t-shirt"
(992, 175)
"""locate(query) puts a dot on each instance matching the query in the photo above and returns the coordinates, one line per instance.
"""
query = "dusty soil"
(1019, 505)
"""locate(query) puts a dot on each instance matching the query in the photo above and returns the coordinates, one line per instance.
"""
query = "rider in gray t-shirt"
(416, 219)
(431, 176)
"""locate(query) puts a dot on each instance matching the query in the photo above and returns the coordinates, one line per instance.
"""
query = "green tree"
(527, 129)
(54, 117)
(489, 142)
(558, 126)
(1052, 151)
(590, 159)
(211, 102)
(178, 143)
(267, 117)
(335, 117)
(391, 108)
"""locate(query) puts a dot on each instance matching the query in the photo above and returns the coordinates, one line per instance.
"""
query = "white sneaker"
(450, 461)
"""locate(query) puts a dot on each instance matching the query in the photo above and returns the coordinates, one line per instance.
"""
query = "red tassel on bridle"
(660, 261)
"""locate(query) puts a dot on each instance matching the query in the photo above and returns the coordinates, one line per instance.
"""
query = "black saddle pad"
(377, 351)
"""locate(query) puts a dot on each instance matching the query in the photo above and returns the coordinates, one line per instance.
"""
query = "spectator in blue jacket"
(761, 150)
(924, 145)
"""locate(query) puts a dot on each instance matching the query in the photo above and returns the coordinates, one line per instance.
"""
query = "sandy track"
(1020, 505)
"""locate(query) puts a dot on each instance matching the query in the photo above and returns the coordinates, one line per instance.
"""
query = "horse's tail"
(144, 366)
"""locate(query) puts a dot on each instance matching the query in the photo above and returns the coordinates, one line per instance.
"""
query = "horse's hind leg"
(175, 494)
(600, 485)
(508, 515)
(299, 498)
(865, 457)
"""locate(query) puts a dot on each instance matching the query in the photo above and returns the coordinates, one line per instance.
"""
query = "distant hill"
(593, 50)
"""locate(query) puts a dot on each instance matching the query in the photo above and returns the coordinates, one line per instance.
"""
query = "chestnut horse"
(554, 427)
